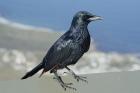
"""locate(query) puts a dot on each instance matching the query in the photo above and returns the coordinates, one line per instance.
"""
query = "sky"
(119, 31)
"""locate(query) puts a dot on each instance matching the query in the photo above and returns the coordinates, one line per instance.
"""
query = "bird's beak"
(95, 18)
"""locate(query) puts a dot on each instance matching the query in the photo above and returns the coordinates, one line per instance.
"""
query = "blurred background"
(29, 27)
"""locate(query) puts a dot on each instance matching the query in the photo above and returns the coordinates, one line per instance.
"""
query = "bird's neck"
(78, 23)
(77, 26)
(79, 31)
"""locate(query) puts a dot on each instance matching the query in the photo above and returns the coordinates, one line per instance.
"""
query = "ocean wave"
(91, 62)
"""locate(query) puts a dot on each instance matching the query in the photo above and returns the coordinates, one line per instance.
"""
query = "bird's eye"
(86, 17)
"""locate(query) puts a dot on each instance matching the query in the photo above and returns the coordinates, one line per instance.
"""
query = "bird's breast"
(82, 39)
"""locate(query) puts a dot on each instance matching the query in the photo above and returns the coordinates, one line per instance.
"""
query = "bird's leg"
(78, 78)
(64, 85)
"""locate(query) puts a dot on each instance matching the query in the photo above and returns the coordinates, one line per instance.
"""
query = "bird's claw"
(68, 83)
(65, 72)
(78, 78)
(54, 78)
(65, 86)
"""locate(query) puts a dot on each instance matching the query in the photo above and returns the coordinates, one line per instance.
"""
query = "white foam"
(96, 62)
(3, 20)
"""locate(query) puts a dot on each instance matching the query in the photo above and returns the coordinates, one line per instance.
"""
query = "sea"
(118, 31)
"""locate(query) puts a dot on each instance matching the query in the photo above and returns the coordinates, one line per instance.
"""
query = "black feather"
(69, 48)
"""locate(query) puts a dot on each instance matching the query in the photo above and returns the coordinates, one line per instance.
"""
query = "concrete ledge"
(121, 82)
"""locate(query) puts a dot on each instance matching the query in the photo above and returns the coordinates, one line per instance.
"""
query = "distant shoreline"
(23, 26)
(104, 44)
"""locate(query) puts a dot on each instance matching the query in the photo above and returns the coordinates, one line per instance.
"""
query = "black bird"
(68, 49)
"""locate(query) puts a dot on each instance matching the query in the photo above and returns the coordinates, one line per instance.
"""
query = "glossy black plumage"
(69, 48)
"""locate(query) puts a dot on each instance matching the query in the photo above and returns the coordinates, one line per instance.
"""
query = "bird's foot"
(78, 78)
(65, 73)
(65, 85)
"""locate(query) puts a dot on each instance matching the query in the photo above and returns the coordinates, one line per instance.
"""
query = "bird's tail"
(33, 71)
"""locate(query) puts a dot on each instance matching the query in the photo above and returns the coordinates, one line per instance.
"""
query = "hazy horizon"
(119, 31)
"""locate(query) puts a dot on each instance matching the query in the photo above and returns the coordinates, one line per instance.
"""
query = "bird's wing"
(60, 51)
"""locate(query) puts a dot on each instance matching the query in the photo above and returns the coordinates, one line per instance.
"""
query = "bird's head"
(84, 18)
